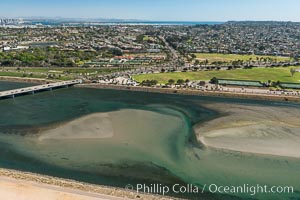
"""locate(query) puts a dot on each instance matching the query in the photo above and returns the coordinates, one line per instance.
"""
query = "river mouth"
(116, 138)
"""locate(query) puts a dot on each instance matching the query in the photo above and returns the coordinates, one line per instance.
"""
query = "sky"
(156, 10)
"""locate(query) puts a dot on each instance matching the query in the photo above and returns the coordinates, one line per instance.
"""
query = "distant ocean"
(186, 23)
(159, 23)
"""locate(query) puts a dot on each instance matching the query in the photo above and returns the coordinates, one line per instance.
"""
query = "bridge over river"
(31, 90)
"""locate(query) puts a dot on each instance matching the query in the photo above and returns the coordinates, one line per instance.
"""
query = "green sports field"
(42, 72)
(215, 57)
(257, 74)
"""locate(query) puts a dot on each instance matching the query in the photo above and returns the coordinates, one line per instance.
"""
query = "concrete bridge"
(31, 90)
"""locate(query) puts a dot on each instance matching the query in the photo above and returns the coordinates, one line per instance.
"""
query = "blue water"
(4, 85)
(183, 23)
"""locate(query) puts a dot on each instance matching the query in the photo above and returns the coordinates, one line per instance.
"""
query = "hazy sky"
(172, 10)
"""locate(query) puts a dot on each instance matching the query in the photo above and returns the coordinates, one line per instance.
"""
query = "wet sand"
(253, 129)
(93, 126)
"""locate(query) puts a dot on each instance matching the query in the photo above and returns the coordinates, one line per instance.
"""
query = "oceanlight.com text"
(210, 188)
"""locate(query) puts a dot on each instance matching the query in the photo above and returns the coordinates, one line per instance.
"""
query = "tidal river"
(117, 138)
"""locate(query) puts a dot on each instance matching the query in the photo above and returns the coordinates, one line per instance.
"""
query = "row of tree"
(170, 82)
(48, 57)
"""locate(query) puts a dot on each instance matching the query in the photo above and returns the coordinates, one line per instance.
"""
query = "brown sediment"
(96, 125)
(194, 92)
(74, 185)
(252, 129)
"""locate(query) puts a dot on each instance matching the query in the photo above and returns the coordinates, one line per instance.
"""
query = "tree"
(149, 82)
(293, 71)
(206, 62)
(140, 38)
(275, 84)
(235, 63)
(214, 80)
(116, 52)
(171, 82)
(180, 81)
(193, 56)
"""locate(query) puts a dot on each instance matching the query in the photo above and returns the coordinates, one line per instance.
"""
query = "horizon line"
(142, 20)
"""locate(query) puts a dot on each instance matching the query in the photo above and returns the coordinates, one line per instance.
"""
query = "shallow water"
(4, 85)
(153, 142)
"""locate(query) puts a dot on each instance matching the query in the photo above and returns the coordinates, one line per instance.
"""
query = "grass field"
(146, 38)
(21, 75)
(258, 74)
(41, 72)
(59, 69)
(214, 57)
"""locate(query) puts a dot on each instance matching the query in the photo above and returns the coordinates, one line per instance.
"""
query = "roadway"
(33, 89)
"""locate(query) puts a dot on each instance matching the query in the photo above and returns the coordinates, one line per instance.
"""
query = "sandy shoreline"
(30, 186)
(252, 129)
(27, 190)
(164, 90)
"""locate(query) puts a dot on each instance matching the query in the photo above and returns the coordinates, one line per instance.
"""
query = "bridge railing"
(32, 89)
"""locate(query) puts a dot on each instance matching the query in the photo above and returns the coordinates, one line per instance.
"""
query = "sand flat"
(253, 129)
(93, 126)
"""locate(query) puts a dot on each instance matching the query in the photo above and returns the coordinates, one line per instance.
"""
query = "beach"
(26, 190)
(252, 129)
(28, 186)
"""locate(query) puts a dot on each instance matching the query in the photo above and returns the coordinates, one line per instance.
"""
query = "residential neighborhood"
(120, 54)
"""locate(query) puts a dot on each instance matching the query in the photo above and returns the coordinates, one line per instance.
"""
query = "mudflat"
(253, 129)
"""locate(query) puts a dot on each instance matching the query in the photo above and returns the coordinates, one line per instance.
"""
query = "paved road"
(38, 88)
(171, 49)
